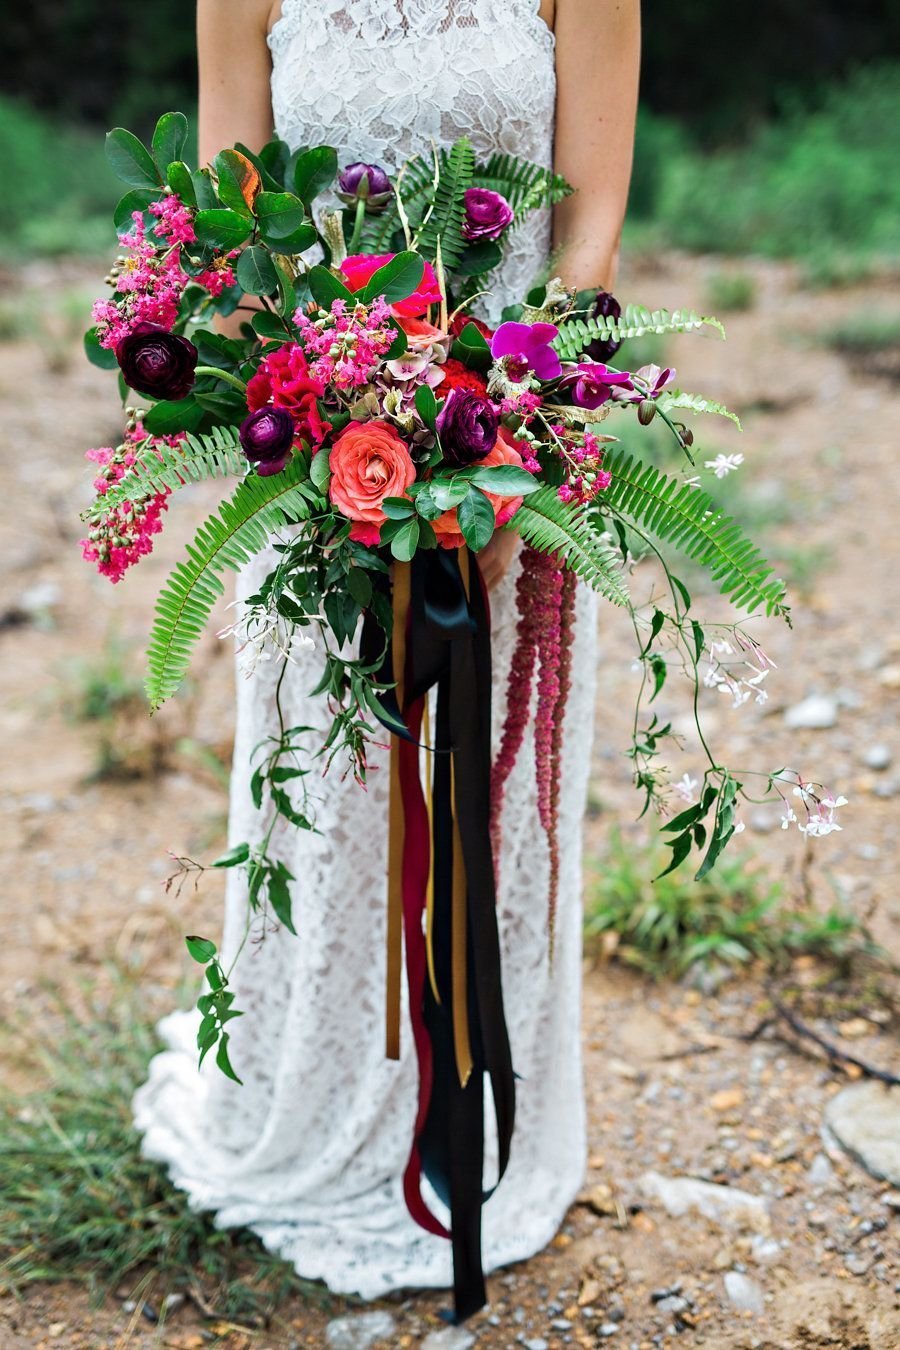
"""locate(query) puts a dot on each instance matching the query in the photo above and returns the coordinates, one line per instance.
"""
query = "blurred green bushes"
(815, 181)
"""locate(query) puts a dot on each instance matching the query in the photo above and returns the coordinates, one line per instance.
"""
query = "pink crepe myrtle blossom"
(119, 536)
(527, 347)
(174, 220)
(347, 343)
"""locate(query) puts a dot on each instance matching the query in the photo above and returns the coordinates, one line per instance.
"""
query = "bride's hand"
(495, 559)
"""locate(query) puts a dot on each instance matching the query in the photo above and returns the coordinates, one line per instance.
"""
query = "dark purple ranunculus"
(364, 182)
(157, 363)
(467, 425)
(487, 215)
(267, 436)
(592, 384)
(605, 306)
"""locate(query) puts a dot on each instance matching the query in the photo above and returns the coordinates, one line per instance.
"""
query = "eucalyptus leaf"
(505, 480)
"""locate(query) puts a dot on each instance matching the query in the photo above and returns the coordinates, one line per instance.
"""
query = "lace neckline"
(290, 20)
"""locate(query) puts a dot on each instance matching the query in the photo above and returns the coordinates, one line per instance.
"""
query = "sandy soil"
(671, 1086)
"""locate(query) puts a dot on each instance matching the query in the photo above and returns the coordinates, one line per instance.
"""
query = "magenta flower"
(591, 384)
(488, 214)
(527, 347)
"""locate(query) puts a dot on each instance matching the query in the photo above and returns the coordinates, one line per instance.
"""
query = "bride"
(310, 1151)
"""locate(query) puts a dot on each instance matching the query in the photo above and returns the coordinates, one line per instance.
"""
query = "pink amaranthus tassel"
(564, 677)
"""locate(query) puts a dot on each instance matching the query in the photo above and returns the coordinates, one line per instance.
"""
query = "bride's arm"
(598, 47)
(233, 67)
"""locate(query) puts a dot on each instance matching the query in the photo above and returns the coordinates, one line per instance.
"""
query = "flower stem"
(234, 380)
(357, 225)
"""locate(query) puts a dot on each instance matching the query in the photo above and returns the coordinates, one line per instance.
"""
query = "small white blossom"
(723, 465)
(686, 788)
(262, 635)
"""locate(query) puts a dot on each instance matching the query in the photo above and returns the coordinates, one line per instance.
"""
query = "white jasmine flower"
(723, 465)
(686, 788)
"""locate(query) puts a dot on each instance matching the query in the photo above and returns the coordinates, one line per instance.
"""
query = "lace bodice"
(380, 80)
(310, 1150)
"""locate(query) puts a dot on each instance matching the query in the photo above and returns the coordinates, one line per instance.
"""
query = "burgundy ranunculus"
(364, 182)
(487, 215)
(467, 425)
(605, 306)
(267, 436)
(157, 363)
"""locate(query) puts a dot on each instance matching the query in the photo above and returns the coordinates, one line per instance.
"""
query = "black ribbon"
(448, 646)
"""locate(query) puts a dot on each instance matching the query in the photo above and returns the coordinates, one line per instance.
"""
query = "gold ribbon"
(401, 595)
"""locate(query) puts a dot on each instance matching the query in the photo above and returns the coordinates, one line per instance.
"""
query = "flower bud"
(646, 411)
(266, 437)
(605, 306)
(364, 183)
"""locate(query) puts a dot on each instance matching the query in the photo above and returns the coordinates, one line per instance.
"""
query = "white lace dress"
(311, 1150)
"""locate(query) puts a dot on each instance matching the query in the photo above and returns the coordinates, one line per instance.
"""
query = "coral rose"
(446, 527)
(359, 267)
(368, 462)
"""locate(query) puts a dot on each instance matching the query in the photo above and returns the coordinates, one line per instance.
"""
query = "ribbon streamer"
(441, 639)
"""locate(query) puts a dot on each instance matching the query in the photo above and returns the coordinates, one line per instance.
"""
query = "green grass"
(78, 1200)
(816, 183)
(58, 190)
(736, 915)
(730, 292)
(865, 332)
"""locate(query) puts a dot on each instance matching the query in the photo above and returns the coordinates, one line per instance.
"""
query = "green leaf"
(636, 321)
(138, 199)
(103, 357)
(314, 171)
(240, 529)
(279, 894)
(204, 190)
(195, 459)
(426, 406)
(681, 847)
(396, 280)
(224, 1062)
(130, 160)
(688, 518)
(526, 186)
(398, 508)
(476, 519)
(449, 492)
(405, 542)
(269, 325)
(169, 139)
(400, 343)
(201, 949)
(234, 857)
(231, 172)
(448, 214)
(280, 215)
(180, 180)
(674, 400)
(479, 258)
(166, 417)
(505, 480)
(359, 584)
(552, 526)
(255, 271)
(472, 348)
(222, 229)
(325, 287)
(319, 470)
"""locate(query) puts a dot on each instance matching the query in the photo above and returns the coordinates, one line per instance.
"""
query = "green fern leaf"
(675, 399)
(196, 458)
(228, 539)
(565, 528)
(687, 517)
(448, 211)
(636, 321)
(525, 186)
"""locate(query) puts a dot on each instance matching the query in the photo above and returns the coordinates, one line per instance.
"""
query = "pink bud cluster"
(346, 345)
(583, 458)
(122, 534)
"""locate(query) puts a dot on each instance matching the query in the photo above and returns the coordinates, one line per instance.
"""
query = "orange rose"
(368, 462)
(446, 527)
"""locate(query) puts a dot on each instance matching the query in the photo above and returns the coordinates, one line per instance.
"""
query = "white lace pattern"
(311, 1150)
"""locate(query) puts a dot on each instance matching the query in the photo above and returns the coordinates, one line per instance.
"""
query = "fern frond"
(229, 538)
(525, 186)
(196, 458)
(566, 528)
(636, 321)
(675, 399)
(448, 212)
(676, 513)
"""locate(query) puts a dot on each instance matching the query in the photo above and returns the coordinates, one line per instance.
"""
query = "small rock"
(890, 677)
(877, 757)
(743, 1293)
(172, 1301)
(608, 1329)
(589, 1292)
(764, 1249)
(855, 1027)
(600, 1199)
(724, 1205)
(56, 1329)
(857, 1263)
(659, 1295)
(536, 1343)
(673, 1304)
(887, 787)
(821, 1172)
(359, 1331)
(892, 1200)
(816, 713)
(865, 1120)
(40, 597)
(561, 1324)
(448, 1338)
(728, 1099)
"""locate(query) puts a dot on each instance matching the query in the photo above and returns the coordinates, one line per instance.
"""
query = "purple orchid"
(592, 383)
(527, 347)
(650, 381)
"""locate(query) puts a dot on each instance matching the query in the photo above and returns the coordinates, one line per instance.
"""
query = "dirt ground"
(672, 1086)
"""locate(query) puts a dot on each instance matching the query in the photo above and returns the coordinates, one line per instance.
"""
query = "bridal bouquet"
(376, 437)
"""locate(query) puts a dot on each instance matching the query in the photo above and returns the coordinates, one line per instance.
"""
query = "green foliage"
(734, 915)
(80, 1202)
(636, 321)
(565, 528)
(688, 517)
(197, 458)
(228, 538)
(676, 400)
(864, 332)
(731, 292)
(448, 211)
(525, 186)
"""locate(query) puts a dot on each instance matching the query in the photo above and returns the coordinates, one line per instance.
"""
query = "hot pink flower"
(284, 380)
(358, 268)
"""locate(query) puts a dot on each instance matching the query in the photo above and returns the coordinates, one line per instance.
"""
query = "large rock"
(865, 1120)
(724, 1205)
